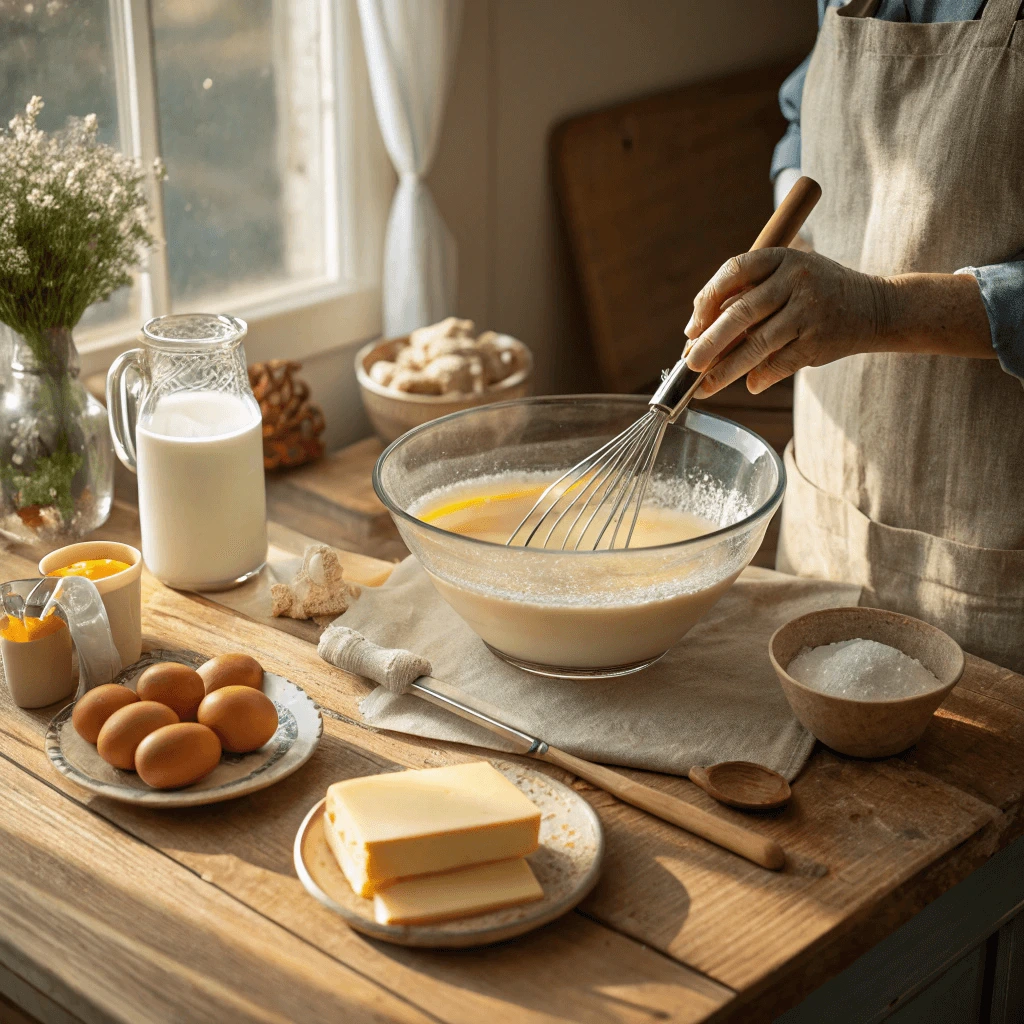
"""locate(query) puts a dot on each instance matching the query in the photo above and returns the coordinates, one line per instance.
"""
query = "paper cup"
(121, 593)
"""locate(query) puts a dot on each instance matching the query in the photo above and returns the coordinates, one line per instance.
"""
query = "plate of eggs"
(179, 730)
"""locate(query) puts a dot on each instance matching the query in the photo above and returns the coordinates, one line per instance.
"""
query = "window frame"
(294, 320)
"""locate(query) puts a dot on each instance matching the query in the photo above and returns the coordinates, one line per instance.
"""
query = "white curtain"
(410, 49)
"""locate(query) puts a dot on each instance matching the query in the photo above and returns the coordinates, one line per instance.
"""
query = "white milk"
(202, 502)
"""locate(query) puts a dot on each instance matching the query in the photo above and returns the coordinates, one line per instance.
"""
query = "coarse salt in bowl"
(856, 698)
(861, 670)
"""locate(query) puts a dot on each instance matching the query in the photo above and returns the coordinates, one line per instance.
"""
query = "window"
(276, 195)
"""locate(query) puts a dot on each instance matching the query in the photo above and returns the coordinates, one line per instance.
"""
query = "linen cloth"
(714, 697)
(904, 474)
(1002, 283)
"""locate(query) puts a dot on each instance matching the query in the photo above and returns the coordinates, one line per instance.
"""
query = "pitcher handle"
(120, 392)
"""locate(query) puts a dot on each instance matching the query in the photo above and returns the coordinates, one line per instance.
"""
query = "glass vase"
(56, 456)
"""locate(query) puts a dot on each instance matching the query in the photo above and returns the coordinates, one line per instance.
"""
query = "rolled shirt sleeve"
(1002, 292)
(787, 152)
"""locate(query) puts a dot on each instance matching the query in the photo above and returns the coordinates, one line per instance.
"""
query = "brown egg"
(126, 728)
(177, 755)
(95, 706)
(243, 718)
(177, 686)
(231, 670)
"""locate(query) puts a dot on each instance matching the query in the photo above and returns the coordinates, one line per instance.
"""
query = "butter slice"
(453, 894)
(385, 827)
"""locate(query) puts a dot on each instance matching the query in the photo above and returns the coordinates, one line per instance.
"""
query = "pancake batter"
(615, 609)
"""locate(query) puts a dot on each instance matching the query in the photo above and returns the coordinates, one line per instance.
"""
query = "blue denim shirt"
(1002, 284)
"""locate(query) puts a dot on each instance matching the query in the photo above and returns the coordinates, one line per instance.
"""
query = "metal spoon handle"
(522, 742)
(351, 651)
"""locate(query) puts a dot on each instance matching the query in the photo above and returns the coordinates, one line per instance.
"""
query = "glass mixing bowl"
(582, 614)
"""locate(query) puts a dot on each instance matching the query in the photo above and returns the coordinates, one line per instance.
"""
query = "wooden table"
(114, 913)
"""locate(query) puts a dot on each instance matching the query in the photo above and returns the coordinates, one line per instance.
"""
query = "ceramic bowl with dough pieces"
(392, 413)
(866, 728)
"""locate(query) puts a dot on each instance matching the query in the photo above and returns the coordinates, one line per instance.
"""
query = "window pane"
(238, 85)
(61, 50)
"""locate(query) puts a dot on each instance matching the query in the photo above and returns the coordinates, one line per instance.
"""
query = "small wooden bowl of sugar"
(865, 681)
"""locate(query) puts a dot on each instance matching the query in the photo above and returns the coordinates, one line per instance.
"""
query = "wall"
(525, 65)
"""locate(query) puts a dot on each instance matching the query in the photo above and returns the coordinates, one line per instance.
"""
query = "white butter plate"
(566, 865)
(298, 732)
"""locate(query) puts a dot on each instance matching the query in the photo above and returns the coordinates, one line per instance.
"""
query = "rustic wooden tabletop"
(115, 913)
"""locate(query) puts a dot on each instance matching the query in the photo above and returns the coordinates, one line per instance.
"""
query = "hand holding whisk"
(596, 503)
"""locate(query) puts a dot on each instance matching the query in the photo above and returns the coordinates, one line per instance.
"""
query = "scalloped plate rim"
(435, 936)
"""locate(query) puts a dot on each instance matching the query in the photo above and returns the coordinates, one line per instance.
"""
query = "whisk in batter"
(599, 502)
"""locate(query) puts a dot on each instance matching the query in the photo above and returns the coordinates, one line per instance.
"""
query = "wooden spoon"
(742, 784)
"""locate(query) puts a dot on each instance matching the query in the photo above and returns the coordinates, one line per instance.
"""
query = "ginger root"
(319, 587)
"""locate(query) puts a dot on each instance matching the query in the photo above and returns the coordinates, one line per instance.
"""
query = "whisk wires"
(610, 485)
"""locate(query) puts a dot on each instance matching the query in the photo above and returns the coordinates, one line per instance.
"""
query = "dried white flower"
(74, 222)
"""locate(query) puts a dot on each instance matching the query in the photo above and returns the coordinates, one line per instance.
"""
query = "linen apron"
(906, 472)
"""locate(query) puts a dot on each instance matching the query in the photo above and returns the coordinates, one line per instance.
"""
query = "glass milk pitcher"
(184, 418)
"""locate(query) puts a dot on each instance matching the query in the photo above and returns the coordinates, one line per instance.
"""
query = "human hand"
(788, 309)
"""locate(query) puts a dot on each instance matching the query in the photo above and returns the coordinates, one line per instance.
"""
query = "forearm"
(770, 312)
(934, 314)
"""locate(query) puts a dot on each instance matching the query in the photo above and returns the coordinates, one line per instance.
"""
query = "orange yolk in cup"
(92, 568)
(31, 629)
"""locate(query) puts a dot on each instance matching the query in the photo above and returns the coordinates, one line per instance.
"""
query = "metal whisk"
(604, 492)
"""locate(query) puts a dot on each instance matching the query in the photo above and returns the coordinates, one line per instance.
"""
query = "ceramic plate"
(566, 865)
(298, 732)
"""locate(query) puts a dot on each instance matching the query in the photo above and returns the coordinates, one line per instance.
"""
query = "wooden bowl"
(392, 413)
(866, 728)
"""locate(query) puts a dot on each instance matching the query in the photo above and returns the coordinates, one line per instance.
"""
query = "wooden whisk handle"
(787, 220)
(681, 383)
(765, 852)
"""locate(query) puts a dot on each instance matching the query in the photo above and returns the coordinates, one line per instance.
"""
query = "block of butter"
(385, 827)
(452, 894)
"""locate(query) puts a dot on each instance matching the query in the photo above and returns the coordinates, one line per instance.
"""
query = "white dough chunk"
(456, 373)
(415, 382)
(382, 372)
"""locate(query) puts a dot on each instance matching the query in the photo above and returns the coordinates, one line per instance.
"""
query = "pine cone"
(292, 424)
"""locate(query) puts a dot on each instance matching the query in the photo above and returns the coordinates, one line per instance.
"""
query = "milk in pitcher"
(202, 502)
